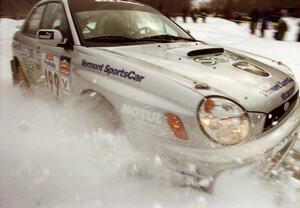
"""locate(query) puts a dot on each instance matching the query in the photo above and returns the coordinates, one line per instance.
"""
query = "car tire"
(99, 113)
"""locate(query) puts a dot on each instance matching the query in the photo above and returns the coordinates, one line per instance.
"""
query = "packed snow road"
(48, 159)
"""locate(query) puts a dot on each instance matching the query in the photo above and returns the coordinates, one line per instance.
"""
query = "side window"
(55, 18)
(33, 23)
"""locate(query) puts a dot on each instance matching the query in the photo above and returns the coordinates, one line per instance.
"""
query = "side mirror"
(50, 37)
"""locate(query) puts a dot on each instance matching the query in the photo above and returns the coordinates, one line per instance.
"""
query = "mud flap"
(14, 72)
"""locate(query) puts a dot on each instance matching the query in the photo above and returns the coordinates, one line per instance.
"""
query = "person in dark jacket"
(298, 39)
(184, 14)
(194, 15)
(281, 30)
(254, 15)
(264, 23)
(204, 14)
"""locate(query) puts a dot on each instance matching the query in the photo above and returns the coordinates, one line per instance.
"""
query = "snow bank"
(216, 31)
(8, 28)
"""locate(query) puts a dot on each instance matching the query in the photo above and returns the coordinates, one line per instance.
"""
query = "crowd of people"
(195, 14)
(264, 18)
(259, 20)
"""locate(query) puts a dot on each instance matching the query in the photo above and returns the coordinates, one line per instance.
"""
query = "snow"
(48, 158)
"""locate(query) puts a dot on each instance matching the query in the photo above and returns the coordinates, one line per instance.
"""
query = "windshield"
(130, 25)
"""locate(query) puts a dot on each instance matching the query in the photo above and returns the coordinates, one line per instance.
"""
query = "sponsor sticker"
(289, 93)
(65, 84)
(50, 61)
(141, 113)
(111, 71)
(213, 60)
(65, 65)
(49, 57)
(278, 86)
(46, 35)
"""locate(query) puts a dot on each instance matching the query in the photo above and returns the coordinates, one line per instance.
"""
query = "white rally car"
(187, 101)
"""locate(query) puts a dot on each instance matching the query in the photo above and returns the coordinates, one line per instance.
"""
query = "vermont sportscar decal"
(109, 70)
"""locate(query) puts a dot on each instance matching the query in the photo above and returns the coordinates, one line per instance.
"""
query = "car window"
(55, 18)
(131, 24)
(32, 25)
(153, 22)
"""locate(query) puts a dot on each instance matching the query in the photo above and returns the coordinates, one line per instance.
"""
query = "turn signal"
(176, 126)
(209, 105)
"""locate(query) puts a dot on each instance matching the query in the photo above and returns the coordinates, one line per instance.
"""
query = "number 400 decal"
(57, 73)
(52, 81)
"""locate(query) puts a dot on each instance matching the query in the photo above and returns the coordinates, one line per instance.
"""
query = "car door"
(56, 60)
(29, 46)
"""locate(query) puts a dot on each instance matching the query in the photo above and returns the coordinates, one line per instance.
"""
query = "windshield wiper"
(165, 38)
(122, 39)
(111, 39)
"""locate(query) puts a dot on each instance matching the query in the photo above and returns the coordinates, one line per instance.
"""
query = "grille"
(276, 115)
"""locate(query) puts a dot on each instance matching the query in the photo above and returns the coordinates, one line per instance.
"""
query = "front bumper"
(265, 151)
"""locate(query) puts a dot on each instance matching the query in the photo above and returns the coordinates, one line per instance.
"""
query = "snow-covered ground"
(48, 160)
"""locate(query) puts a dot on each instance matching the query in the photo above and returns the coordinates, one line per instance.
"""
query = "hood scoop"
(206, 51)
(195, 50)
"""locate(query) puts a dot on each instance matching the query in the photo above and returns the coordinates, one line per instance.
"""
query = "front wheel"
(98, 112)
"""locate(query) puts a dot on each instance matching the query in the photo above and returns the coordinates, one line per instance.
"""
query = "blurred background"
(234, 9)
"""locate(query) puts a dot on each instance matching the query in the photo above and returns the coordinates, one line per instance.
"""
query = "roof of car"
(94, 1)
(80, 5)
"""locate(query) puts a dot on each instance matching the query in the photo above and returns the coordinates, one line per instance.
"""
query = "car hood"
(256, 83)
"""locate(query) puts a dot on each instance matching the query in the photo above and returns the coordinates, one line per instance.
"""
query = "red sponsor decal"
(65, 64)
(49, 57)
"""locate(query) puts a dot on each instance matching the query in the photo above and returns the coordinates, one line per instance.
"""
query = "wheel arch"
(92, 93)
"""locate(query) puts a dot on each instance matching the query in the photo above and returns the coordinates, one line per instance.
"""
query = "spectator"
(204, 14)
(254, 15)
(238, 18)
(264, 23)
(184, 14)
(299, 33)
(194, 15)
(281, 30)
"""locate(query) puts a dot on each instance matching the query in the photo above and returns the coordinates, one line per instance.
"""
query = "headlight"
(223, 121)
